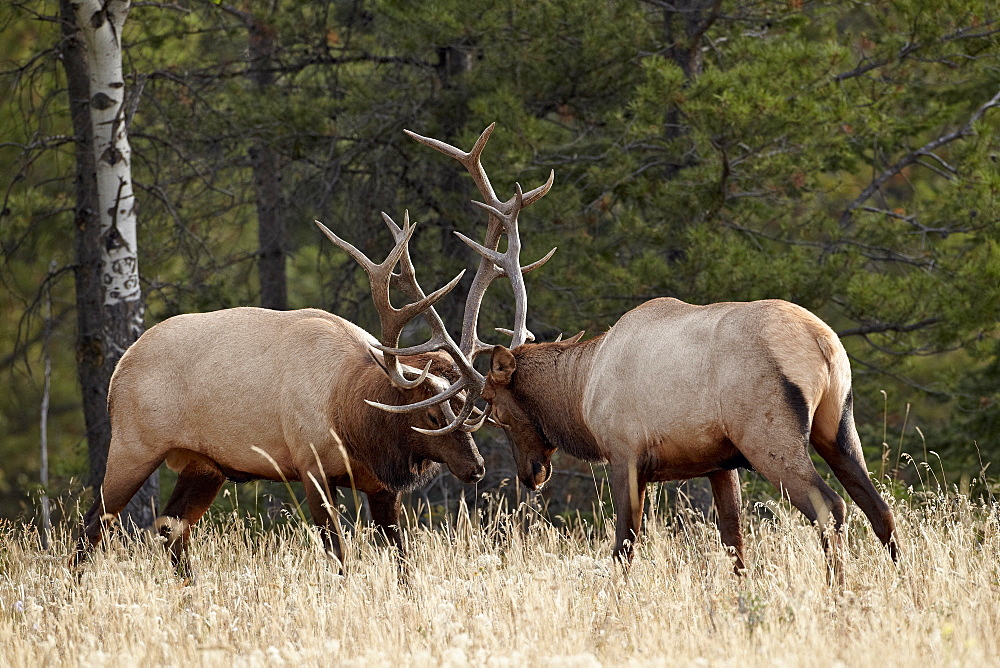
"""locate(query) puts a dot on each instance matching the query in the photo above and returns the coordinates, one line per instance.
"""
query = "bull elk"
(247, 393)
(675, 391)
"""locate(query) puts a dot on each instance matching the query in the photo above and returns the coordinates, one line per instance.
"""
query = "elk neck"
(374, 438)
(549, 386)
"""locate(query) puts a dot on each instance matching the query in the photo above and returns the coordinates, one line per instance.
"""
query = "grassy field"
(495, 595)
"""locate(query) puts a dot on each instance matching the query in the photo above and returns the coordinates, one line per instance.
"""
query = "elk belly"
(680, 457)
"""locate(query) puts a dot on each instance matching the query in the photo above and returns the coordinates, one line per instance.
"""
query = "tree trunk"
(267, 179)
(108, 297)
(452, 63)
(684, 26)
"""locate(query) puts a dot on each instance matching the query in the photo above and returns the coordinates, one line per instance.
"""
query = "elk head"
(512, 396)
(532, 452)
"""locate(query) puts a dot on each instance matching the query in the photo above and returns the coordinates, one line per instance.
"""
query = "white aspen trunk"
(109, 298)
(101, 25)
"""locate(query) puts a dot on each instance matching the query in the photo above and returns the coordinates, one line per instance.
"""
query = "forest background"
(840, 155)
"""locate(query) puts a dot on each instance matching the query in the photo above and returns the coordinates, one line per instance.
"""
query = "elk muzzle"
(468, 473)
(461, 456)
(534, 473)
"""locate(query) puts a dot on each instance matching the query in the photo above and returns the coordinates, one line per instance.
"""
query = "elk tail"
(834, 418)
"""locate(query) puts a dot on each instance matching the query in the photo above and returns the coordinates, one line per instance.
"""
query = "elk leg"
(853, 475)
(91, 531)
(325, 517)
(629, 493)
(792, 472)
(121, 481)
(726, 492)
(385, 507)
(198, 484)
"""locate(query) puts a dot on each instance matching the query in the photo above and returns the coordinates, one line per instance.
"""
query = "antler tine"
(470, 160)
(538, 263)
(452, 390)
(536, 194)
(385, 310)
(474, 426)
(406, 278)
(471, 380)
(509, 223)
(358, 256)
(393, 320)
(460, 421)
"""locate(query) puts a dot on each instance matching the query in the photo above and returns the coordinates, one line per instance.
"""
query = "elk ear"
(502, 365)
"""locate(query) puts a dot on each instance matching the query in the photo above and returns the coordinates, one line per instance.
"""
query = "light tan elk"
(249, 393)
(675, 391)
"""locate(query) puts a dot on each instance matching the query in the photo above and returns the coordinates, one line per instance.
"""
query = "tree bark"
(452, 63)
(108, 297)
(267, 179)
(684, 26)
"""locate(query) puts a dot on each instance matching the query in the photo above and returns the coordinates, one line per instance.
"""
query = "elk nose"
(478, 474)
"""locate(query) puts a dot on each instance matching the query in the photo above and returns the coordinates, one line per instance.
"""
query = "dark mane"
(545, 384)
(393, 463)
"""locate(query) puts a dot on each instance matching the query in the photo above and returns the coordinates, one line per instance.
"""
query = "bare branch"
(895, 376)
(877, 327)
(160, 5)
(966, 130)
(912, 47)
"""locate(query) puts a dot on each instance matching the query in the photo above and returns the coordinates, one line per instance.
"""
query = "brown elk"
(249, 393)
(675, 391)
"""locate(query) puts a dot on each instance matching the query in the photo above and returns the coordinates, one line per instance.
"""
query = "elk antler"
(393, 320)
(492, 265)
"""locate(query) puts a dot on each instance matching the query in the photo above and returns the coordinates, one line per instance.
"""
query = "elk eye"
(434, 420)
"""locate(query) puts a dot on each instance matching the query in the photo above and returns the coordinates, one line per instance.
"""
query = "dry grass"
(495, 596)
